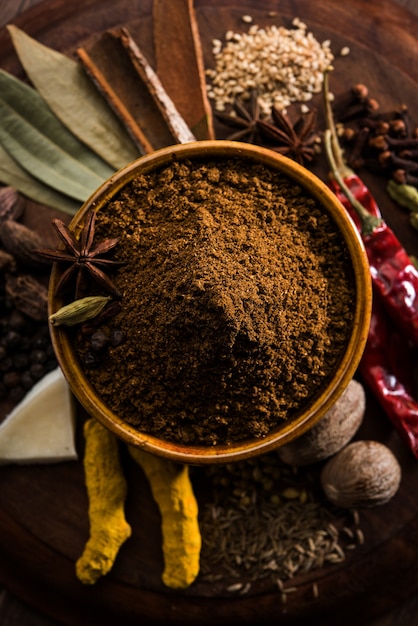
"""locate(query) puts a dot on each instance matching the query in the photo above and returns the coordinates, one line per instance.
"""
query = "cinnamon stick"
(121, 72)
(180, 64)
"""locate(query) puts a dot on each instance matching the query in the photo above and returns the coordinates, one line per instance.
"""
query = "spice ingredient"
(332, 432)
(21, 242)
(144, 107)
(298, 139)
(394, 275)
(79, 311)
(386, 367)
(55, 143)
(362, 475)
(28, 295)
(237, 301)
(46, 161)
(173, 493)
(70, 95)
(265, 519)
(180, 65)
(11, 173)
(83, 259)
(11, 204)
(405, 195)
(26, 353)
(106, 489)
(285, 64)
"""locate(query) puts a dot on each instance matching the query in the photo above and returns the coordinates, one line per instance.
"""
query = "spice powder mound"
(238, 299)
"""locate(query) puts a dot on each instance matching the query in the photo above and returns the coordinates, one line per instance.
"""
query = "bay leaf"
(42, 158)
(12, 174)
(63, 85)
(27, 102)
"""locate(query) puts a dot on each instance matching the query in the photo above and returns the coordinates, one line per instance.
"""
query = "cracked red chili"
(386, 364)
(386, 367)
(360, 191)
(393, 273)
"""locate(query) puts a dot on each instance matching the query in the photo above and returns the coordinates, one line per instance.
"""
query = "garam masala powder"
(237, 302)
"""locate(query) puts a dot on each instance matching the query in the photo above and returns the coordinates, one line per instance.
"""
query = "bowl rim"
(320, 404)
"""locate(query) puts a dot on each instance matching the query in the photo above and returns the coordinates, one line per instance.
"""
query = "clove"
(404, 177)
(404, 142)
(388, 158)
(379, 142)
(377, 125)
(352, 103)
(356, 159)
(368, 107)
(408, 154)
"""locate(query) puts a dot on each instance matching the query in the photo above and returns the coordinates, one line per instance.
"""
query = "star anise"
(297, 140)
(244, 119)
(83, 257)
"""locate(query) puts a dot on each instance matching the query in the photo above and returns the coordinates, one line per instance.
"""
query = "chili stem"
(369, 223)
(337, 151)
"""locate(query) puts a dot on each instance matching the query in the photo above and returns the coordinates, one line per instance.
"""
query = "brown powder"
(237, 302)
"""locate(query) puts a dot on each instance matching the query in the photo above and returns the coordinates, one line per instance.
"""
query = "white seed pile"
(284, 65)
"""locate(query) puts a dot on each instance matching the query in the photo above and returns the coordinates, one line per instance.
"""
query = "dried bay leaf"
(12, 174)
(42, 158)
(69, 93)
(28, 103)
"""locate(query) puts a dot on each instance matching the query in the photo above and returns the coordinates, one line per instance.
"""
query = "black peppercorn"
(11, 379)
(27, 380)
(99, 340)
(116, 338)
(37, 370)
(38, 356)
(91, 360)
(11, 339)
(20, 360)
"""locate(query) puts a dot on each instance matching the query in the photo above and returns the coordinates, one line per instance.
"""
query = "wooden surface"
(43, 520)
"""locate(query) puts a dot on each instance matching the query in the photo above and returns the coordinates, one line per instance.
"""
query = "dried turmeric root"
(173, 493)
(106, 489)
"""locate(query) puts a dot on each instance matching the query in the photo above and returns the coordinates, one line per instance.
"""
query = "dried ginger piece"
(173, 493)
(106, 489)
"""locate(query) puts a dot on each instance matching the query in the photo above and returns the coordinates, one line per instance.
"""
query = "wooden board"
(43, 509)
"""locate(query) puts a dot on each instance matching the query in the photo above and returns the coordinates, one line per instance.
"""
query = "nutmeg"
(364, 474)
(332, 432)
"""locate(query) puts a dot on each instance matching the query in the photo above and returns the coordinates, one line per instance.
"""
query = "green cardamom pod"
(405, 195)
(79, 311)
(413, 218)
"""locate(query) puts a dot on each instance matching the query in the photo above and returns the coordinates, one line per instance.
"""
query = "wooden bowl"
(326, 396)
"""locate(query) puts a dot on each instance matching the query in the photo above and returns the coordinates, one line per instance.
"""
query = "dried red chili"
(360, 191)
(384, 367)
(394, 275)
(395, 282)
